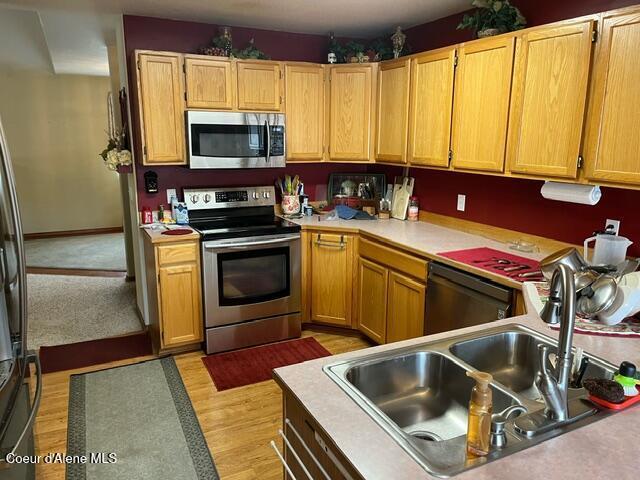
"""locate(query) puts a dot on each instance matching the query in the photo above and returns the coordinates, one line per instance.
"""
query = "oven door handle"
(251, 244)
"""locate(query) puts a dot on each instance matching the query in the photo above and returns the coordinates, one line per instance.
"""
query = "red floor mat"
(94, 352)
(253, 365)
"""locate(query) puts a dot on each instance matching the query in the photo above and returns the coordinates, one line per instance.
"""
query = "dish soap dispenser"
(480, 409)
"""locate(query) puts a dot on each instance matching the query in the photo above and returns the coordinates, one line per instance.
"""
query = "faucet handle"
(543, 356)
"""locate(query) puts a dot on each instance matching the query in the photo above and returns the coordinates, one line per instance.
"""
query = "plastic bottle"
(414, 207)
(480, 409)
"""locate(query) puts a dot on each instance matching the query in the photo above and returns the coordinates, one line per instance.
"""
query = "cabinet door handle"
(309, 452)
(324, 243)
(282, 460)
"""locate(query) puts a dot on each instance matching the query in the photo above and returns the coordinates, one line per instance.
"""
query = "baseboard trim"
(77, 271)
(72, 233)
(335, 330)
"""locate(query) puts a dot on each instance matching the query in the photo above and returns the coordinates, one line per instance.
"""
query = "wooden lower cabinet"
(336, 466)
(391, 297)
(331, 259)
(372, 304)
(175, 295)
(405, 308)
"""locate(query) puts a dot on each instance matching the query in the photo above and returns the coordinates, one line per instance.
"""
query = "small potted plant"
(493, 17)
(355, 53)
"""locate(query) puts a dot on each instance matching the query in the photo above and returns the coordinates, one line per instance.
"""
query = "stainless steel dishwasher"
(457, 299)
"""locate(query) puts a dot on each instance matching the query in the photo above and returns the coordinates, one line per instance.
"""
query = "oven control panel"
(214, 198)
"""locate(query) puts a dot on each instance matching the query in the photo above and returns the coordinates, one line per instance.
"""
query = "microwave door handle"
(267, 147)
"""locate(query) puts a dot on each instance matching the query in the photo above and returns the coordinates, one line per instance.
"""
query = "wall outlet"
(615, 223)
(462, 200)
(171, 192)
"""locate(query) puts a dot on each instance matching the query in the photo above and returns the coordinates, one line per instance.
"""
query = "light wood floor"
(238, 423)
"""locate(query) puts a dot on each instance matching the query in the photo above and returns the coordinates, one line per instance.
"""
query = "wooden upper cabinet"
(393, 107)
(259, 86)
(350, 105)
(161, 99)
(612, 151)
(372, 300)
(210, 83)
(548, 99)
(481, 104)
(304, 99)
(331, 266)
(432, 77)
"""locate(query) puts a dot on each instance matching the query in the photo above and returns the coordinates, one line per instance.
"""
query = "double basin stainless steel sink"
(420, 394)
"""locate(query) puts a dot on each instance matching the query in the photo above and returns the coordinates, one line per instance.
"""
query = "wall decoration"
(397, 39)
(250, 52)
(493, 17)
(115, 155)
(222, 46)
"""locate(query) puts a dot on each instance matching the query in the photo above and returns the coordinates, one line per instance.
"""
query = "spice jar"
(413, 209)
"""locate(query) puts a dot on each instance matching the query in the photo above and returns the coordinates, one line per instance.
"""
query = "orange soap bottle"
(480, 409)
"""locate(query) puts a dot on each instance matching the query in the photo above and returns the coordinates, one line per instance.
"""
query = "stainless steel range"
(250, 267)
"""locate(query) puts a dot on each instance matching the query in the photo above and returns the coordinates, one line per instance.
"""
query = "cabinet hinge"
(184, 68)
(281, 75)
(594, 36)
(580, 161)
(450, 156)
(144, 152)
(455, 60)
(185, 96)
(280, 99)
(138, 63)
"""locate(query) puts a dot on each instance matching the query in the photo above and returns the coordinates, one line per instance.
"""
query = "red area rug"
(253, 365)
(94, 352)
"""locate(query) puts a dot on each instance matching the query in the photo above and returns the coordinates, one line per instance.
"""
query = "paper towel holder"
(571, 192)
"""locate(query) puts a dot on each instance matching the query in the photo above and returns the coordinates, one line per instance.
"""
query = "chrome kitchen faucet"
(554, 387)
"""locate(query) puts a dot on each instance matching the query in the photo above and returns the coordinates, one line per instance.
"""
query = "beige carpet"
(67, 309)
(89, 252)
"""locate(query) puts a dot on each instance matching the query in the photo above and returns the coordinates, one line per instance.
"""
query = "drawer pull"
(323, 243)
(295, 455)
(284, 463)
(309, 452)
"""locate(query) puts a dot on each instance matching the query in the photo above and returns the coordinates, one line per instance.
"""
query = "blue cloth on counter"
(348, 213)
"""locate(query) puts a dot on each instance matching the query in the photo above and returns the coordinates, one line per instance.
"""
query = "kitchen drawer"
(180, 253)
(402, 262)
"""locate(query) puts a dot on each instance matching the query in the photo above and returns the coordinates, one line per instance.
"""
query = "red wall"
(186, 37)
(516, 204)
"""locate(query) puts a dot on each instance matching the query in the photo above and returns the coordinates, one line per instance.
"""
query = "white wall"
(55, 127)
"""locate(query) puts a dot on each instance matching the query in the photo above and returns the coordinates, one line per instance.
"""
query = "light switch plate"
(615, 223)
(462, 200)
(171, 192)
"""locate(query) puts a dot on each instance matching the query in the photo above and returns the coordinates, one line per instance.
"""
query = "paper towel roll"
(571, 192)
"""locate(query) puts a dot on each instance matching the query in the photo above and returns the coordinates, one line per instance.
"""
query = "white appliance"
(235, 139)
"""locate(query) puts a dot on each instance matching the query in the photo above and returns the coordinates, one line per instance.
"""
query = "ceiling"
(358, 18)
(56, 42)
(71, 36)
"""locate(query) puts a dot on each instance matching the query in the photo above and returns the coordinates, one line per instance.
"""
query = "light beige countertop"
(604, 449)
(156, 236)
(426, 239)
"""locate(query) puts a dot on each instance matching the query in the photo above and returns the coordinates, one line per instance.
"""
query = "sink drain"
(426, 436)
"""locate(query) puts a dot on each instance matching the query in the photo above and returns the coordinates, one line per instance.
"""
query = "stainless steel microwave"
(235, 139)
